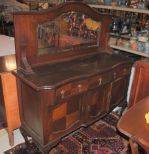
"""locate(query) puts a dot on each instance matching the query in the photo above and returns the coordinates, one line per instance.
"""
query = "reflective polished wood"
(133, 123)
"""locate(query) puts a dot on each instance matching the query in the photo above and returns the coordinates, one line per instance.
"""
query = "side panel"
(31, 111)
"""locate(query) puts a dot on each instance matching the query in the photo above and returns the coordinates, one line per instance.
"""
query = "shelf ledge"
(129, 50)
(144, 11)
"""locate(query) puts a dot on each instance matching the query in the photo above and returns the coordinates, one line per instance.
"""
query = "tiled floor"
(4, 142)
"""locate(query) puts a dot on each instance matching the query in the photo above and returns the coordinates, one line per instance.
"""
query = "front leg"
(31, 147)
(25, 136)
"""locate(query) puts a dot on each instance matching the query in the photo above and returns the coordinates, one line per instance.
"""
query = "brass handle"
(80, 87)
(100, 81)
(125, 70)
(114, 75)
(88, 108)
(62, 93)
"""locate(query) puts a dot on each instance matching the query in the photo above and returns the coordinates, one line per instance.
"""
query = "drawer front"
(71, 89)
(63, 91)
(99, 80)
(121, 71)
(79, 87)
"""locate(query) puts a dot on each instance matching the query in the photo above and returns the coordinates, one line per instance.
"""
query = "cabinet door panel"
(96, 100)
(118, 90)
(67, 113)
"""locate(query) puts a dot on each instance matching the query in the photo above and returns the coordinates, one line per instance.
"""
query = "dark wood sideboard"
(67, 76)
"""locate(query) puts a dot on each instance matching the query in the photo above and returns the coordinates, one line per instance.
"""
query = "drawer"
(71, 89)
(121, 71)
(79, 87)
(63, 91)
(99, 80)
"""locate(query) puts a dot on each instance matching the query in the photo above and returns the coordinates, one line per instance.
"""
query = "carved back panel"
(69, 31)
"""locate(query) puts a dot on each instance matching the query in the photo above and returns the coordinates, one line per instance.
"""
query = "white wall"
(7, 45)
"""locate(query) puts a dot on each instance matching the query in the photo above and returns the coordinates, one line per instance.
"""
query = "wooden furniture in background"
(140, 83)
(133, 123)
(9, 100)
(62, 89)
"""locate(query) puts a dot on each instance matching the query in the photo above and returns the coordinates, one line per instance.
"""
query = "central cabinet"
(66, 76)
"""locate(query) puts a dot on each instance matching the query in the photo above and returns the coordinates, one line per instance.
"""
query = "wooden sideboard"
(9, 110)
(66, 76)
(140, 83)
(55, 103)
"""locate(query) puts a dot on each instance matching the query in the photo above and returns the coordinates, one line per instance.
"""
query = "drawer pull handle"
(80, 87)
(62, 93)
(88, 108)
(114, 75)
(82, 108)
(100, 81)
(125, 70)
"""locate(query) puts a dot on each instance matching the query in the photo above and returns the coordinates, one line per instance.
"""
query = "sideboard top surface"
(52, 75)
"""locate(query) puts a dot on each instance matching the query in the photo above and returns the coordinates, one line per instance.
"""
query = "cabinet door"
(96, 102)
(118, 91)
(66, 114)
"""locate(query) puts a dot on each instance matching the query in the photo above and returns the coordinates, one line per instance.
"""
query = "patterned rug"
(99, 138)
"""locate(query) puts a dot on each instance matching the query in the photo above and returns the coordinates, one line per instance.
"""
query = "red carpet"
(99, 138)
